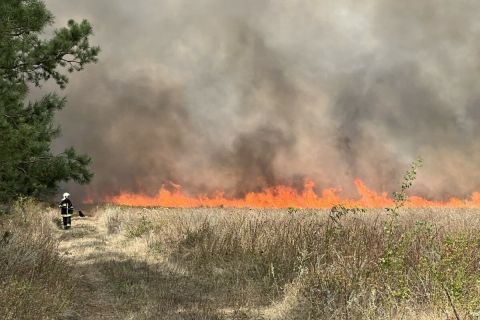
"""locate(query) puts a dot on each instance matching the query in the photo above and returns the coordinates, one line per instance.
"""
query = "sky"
(242, 95)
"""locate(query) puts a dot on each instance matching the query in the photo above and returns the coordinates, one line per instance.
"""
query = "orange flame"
(88, 200)
(283, 197)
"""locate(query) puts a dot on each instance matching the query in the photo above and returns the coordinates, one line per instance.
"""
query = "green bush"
(140, 228)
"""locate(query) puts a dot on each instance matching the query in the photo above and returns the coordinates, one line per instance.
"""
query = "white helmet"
(66, 195)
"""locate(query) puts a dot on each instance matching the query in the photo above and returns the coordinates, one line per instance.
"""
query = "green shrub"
(140, 228)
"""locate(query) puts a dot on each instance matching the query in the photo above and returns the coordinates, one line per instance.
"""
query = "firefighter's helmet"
(66, 195)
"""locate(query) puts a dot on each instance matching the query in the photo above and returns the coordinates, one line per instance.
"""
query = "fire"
(283, 197)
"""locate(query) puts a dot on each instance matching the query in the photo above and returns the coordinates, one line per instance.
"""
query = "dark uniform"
(67, 211)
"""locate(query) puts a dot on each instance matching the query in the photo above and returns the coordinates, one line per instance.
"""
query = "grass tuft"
(35, 282)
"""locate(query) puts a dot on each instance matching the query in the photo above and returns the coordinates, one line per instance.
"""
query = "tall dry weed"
(357, 269)
(34, 280)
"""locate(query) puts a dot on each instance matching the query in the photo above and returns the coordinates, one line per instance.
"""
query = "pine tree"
(28, 166)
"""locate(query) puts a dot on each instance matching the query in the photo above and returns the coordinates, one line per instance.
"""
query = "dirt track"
(86, 246)
(119, 279)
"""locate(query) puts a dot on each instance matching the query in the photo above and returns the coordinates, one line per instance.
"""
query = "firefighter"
(66, 210)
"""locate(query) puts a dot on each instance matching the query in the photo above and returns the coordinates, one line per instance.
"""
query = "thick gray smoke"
(239, 95)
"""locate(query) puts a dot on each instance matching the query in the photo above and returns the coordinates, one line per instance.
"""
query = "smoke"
(241, 95)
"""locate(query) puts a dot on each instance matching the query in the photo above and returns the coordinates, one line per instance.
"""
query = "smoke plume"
(241, 95)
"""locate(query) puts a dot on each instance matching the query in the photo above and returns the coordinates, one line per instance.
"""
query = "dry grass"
(300, 265)
(34, 280)
(135, 263)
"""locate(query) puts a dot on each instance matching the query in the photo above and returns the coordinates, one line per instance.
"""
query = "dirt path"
(119, 278)
(85, 246)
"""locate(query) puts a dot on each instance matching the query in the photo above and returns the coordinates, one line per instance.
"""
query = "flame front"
(283, 197)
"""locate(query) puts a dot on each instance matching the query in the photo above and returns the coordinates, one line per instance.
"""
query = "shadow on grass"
(129, 288)
(141, 291)
(76, 231)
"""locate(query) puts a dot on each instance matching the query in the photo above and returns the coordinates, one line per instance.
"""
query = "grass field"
(134, 263)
